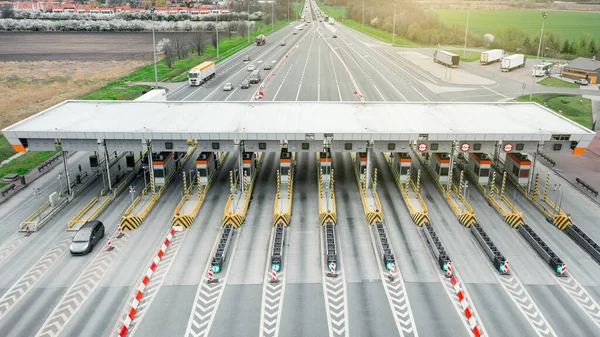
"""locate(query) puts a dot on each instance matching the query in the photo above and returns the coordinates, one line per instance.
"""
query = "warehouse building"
(582, 67)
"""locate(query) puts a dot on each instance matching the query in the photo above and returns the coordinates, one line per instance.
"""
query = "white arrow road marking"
(272, 296)
(81, 288)
(581, 297)
(200, 325)
(33, 275)
(519, 295)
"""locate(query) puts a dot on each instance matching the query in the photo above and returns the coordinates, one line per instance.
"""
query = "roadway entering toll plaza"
(341, 195)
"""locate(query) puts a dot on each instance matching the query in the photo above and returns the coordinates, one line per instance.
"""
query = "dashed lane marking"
(282, 82)
(83, 286)
(305, 64)
(33, 275)
(335, 76)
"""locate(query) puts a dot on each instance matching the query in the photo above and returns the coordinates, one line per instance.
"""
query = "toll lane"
(242, 294)
(303, 311)
(174, 301)
(433, 311)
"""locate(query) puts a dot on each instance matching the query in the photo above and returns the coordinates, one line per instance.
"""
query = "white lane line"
(495, 92)
(364, 72)
(336, 78)
(305, 64)
(319, 77)
(282, 82)
(227, 98)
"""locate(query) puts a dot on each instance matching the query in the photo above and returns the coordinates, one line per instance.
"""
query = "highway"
(62, 295)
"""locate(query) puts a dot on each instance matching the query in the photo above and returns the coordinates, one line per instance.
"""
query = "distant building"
(582, 67)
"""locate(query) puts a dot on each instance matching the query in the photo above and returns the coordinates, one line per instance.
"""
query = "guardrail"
(584, 241)
(548, 159)
(8, 188)
(490, 249)
(587, 186)
(435, 243)
(49, 161)
(77, 218)
(543, 250)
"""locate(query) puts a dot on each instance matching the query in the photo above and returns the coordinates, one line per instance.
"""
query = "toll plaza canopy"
(166, 120)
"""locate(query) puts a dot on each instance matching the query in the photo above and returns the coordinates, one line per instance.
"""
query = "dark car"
(87, 237)
(245, 84)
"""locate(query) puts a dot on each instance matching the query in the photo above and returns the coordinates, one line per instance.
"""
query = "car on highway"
(300, 28)
(282, 43)
(246, 58)
(228, 86)
(87, 237)
(251, 67)
(334, 36)
(581, 81)
(245, 84)
(295, 33)
(267, 66)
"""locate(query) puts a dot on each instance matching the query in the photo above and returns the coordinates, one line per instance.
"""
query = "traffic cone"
(27, 230)
(110, 246)
(120, 235)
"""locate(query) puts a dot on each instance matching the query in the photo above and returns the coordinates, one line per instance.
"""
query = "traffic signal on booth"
(216, 268)
(389, 265)
(276, 266)
(445, 266)
(501, 267)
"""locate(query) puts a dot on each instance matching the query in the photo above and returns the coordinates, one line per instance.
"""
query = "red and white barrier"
(110, 246)
(449, 269)
(140, 292)
(392, 272)
(332, 268)
(210, 275)
(273, 275)
(467, 310)
(505, 267)
(563, 269)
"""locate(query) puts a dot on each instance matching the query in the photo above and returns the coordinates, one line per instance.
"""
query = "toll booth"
(249, 163)
(285, 165)
(439, 162)
(517, 165)
(361, 160)
(479, 167)
(206, 165)
(401, 163)
(94, 163)
(130, 162)
(325, 161)
(163, 164)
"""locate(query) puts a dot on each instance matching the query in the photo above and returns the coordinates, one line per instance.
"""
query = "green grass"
(336, 13)
(566, 105)
(6, 150)
(471, 55)
(555, 82)
(26, 162)
(569, 25)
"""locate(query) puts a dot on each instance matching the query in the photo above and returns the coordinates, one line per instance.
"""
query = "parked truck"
(446, 58)
(201, 73)
(491, 56)
(260, 40)
(512, 62)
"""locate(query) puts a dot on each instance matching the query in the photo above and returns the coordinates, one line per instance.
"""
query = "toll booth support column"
(368, 177)
(241, 169)
(66, 166)
(106, 159)
(532, 172)
(150, 166)
(450, 169)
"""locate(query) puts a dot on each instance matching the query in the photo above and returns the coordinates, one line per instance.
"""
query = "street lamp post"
(145, 171)
(61, 185)
(154, 49)
(248, 21)
(363, 17)
(131, 192)
(394, 26)
(272, 16)
(544, 16)
(466, 33)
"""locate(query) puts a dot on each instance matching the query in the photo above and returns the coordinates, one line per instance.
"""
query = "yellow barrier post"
(231, 181)
(418, 180)
(278, 184)
(331, 184)
(364, 184)
(460, 182)
(536, 190)
(152, 182)
(198, 184)
(408, 175)
(547, 183)
(375, 180)
(493, 184)
(245, 183)
(184, 183)
(503, 185)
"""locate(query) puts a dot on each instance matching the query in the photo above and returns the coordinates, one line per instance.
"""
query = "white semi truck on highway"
(201, 73)
(331, 21)
(512, 62)
(446, 58)
(260, 40)
(491, 56)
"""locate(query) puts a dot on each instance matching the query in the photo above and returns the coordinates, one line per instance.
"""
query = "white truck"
(331, 21)
(542, 69)
(201, 73)
(491, 56)
(512, 62)
(446, 58)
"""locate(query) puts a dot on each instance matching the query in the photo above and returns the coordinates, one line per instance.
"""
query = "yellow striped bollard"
(460, 182)
(418, 180)
(364, 180)
(547, 183)
(245, 183)
(332, 181)
(152, 181)
(503, 185)
(231, 181)
(493, 184)
(537, 181)
(198, 183)
(184, 183)
(375, 179)
(408, 175)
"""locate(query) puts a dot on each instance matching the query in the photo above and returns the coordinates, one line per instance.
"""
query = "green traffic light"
(276, 266)
(445, 266)
(216, 268)
(501, 268)
(389, 265)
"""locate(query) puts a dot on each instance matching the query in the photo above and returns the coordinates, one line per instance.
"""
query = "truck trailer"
(512, 62)
(201, 73)
(491, 56)
(331, 21)
(260, 40)
(446, 58)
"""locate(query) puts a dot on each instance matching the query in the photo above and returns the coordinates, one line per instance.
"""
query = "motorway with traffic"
(44, 291)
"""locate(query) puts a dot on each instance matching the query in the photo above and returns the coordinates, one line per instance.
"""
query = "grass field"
(26, 162)
(471, 55)
(336, 13)
(569, 25)
(555, 82)
(566, 105)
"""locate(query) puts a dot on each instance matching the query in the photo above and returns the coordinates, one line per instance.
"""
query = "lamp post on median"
(131, 192)
(394, 26)
(544, 16)
(248, 21)
(61, 185)
(154, 49)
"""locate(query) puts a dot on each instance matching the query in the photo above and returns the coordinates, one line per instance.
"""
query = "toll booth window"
(477, 146)
(305, 146)
(444, 171)
(515, 171)
(202, 172)
(434, 146)
(215, 146)
(557, 147)
(159, 174)
(484, 172)
(404, 170)
(169, 145)
(348, 146)
(524, 173)
(391, 146)
(262, 146)
(520, 146)
(285, 171)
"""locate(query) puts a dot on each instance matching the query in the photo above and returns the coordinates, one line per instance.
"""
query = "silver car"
(251, 67)
(245, 84)
(581, 81)
(87, 237)
(228, 86)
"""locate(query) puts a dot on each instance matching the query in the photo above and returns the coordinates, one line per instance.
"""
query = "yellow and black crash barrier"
(467, 219)
(372, 216)
(182, 220)
(562, 221)
(420, 218)
(325, 217)
(514, 220)
(237, 219)
(130, 222)
(283, 218)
